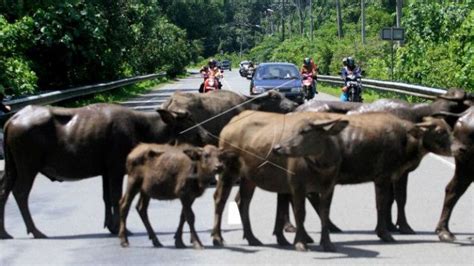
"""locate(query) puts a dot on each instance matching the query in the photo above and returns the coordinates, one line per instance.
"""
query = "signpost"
(392, 34)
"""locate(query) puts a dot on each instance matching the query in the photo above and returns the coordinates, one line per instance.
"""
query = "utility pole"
(399, 12)
(362, 20)
(339, 19)
(283, 20)
(311, 19)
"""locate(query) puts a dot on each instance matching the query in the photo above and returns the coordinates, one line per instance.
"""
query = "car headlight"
(258, 90)
(295, 89)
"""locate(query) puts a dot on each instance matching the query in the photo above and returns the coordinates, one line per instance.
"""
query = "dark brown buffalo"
(454, 100)
(463, 152)
(252, 135)
(74, 144)
(215, 109)
(167, 172)
(375, 147)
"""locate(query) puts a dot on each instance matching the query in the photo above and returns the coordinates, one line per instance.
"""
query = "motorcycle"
(210, 84)
(354, 88)
(308, 89)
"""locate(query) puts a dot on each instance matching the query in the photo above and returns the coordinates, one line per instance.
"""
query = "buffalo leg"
(21, 192)
(6, 186)
(108, 222)
(300, 213)
(247, 188)
(454, 190)
(391, 200)
(115, 187)
(132, 190)
(314, 200)
(223, 188)
(282, 212)
(178, 236)
(381, 191)
(142, 208)
(187, 202)
(325, 205)
(400, 191)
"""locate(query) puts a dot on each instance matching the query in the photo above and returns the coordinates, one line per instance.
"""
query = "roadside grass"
(119, 94)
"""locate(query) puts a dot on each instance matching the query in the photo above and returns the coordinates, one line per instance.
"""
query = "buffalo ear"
(332, 127)
(421, 128)
(167, 116)
(194, 153)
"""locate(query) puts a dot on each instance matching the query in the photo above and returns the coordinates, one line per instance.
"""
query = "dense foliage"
(62, 43)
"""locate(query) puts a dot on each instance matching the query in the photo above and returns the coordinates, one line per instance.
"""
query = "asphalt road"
(71, 214)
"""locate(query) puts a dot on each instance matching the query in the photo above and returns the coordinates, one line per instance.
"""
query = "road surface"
(71, 214)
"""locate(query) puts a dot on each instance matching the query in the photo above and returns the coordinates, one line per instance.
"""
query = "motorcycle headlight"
(211, 83)
(258, 90)
(296, 89)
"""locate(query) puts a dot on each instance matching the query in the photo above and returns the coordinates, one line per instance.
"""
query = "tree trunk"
(362, 20)
(340, 34)
(311, 19)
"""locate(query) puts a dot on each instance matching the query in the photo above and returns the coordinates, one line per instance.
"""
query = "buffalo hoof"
(197, 245)
(114, 230)
(328, 247)
(299, 246)
(392, 228)
(289, 228)
(218, 242)
(446, 236)
(254, 242)
(179, 243)
(156, 243)
(334, 229)
(386, 236)
(124, 244)
(5, 235)
(38, 235)
(281, 240)
(406, 230)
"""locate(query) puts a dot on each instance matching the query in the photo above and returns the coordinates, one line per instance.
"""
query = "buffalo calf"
(167, 172)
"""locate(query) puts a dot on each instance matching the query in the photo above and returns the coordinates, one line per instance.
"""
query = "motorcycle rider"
(349, 68)
(309, 67)
(210, 69)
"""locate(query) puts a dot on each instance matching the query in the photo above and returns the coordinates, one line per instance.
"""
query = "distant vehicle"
(243, 66)
(226, 64)
(283, 77)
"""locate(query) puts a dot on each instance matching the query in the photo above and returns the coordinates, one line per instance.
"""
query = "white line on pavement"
(443, 160)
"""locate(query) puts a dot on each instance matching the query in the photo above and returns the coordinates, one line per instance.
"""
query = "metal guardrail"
(58, 96)
(388, 86)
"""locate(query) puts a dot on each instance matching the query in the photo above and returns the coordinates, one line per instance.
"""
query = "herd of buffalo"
(267, 141)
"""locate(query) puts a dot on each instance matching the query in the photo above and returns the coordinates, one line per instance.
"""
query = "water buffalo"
(463, 152)
(376, 147)
(252, 135)
(454, 100)
(167, 172)
(217, 108)
(73, 144)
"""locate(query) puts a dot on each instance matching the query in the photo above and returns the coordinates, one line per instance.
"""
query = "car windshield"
(277, 72)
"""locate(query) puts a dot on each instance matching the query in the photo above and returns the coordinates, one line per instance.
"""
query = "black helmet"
(212, 63)
(344, 61)
(350, 62)
(307, 61)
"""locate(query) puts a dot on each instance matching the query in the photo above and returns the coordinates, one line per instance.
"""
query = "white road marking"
(226, 83)
(443, 160)
(234, 216)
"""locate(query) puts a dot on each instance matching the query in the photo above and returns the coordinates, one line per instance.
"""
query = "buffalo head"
(435, 135)
(275, 102)
(310, 134)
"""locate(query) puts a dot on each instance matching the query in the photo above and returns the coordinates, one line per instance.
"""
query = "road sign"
(393, 34)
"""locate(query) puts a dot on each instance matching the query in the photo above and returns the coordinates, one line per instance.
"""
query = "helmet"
(344, 61)
(212, 63)
(307, 61)
(350, 62)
